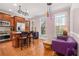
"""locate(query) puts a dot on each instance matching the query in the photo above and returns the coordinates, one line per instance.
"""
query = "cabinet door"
(1, 16)
(7, 17)
(27, 26)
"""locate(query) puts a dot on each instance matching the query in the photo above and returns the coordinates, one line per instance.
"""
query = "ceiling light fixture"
(49, 9)
(20, 11)
(49, 3)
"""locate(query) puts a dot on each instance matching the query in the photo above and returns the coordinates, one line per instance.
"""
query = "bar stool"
(23, 40)
(30, 38)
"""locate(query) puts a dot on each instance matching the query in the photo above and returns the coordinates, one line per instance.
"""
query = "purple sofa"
(65, 47)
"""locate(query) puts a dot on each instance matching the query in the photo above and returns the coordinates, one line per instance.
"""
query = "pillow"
(62, 37)
(65, 38)
(59, 37)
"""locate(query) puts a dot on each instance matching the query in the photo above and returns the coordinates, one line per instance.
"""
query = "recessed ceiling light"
(14, 4)
(10, 9)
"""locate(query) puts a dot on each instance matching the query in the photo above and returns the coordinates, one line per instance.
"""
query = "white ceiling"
(58, 6)
(33, 8)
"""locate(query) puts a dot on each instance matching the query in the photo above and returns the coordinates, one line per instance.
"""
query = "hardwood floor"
(36, 49)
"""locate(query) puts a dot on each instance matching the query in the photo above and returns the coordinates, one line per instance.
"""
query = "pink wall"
(74, 22)
(50, 27)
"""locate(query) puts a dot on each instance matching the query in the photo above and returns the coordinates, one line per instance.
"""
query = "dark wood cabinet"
(7, 21)
(27, 28)
(5, 26)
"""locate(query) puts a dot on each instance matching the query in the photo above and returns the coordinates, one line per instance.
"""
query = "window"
(42, 33)
(43, 23)
(60, 22)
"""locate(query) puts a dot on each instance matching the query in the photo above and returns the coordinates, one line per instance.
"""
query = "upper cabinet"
(5, 19)
(19, 19)
(27, 26)
(15, 22)
(1, 16)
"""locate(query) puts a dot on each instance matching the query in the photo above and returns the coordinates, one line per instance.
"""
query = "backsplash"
(4, 28)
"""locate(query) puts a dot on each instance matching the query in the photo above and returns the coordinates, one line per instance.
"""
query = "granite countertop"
(16, 32)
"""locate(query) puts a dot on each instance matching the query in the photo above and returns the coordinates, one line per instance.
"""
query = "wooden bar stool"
(30, 38)
(23, 40)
